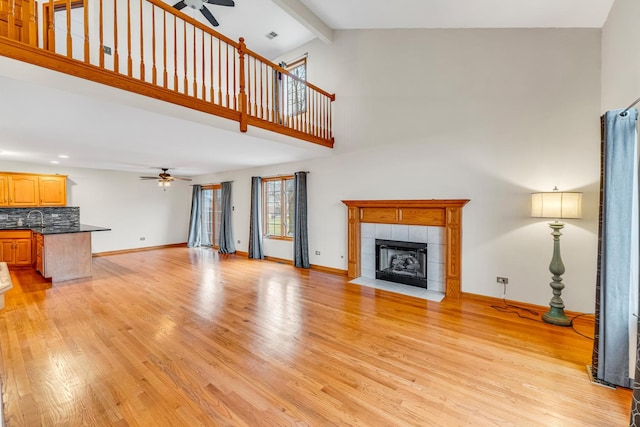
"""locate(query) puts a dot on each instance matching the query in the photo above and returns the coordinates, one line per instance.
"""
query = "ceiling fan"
(164, 178)
(199, 4)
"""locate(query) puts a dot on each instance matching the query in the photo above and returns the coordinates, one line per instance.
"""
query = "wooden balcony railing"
(148, 47)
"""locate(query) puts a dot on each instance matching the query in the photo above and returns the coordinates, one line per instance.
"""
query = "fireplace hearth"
(402, 262)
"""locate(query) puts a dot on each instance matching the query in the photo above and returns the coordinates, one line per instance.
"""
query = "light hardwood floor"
(182, 337)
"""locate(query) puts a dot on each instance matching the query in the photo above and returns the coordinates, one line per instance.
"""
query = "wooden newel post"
(243, 94)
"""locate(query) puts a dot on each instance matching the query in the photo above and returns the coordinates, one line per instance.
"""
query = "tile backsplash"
(58, 216)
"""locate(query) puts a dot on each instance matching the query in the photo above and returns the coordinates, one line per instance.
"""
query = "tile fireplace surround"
(430, 213)
(432, 236)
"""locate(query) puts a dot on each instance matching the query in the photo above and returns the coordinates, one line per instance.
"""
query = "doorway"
(211, 214)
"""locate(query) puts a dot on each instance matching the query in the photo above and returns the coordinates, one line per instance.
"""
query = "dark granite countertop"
(56, 229)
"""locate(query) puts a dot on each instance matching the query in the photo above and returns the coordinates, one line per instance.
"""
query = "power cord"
(574, 328)
(510, 308)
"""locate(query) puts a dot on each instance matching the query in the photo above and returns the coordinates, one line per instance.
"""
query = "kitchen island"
(64, 252)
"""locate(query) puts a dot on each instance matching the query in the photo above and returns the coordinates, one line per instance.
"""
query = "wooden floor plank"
(184, 337)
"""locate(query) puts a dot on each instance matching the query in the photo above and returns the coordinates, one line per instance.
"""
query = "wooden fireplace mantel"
(439, 213)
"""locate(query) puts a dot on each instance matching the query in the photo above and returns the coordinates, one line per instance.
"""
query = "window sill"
(278, 238)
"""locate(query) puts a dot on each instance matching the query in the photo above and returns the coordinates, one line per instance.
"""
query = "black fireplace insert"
(402, 262)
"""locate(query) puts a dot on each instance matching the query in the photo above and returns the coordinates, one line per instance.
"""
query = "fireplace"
(445, 213)
(402, 262)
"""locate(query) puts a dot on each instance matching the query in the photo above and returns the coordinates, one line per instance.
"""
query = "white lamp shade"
(556, 204)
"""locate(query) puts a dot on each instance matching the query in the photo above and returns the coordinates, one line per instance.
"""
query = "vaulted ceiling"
(45, 114)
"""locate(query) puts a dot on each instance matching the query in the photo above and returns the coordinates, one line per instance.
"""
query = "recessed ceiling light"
(63, 156)
(55, 162)
(271, 35)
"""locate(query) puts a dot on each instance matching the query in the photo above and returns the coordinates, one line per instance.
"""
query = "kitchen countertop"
(55, 229)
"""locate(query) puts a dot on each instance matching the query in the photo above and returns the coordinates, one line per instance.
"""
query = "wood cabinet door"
(53, 190)
(8, 254)
(4, 191)
(40, 258)
(23, 252)
(37, 252)
(23, 190)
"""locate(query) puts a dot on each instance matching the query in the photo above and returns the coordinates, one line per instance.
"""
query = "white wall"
(620, 62)
(486, 115)
(132, 208)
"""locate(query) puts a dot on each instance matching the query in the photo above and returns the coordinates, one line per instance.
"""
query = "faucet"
(41, 217)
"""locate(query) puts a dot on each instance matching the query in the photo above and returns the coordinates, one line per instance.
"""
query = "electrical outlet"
(54, 215)
(503, 280)
(317, 252)
(143, 238)
(238, 241)
(4, 216)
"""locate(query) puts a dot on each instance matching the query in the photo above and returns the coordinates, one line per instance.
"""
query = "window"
(211, 213)
(296, 89)
(278, 204)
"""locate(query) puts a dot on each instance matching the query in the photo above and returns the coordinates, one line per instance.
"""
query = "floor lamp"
(557, 205)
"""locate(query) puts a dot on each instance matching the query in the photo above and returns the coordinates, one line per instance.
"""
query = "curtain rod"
(624, 113)
(217, 183)
(292, 173)
(285, 174)
(209, 183)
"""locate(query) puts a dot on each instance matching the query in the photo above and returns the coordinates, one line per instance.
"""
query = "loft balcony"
(149, 48)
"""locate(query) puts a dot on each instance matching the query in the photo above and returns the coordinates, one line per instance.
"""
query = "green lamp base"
(556, 316)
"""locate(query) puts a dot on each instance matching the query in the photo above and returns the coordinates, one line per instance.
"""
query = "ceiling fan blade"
(229, 3)
(181, 179)
(209, 16)
(180, 5)
(148, 177)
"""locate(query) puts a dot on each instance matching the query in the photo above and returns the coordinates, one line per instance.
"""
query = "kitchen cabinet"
(4, 190)
(58, 253)
(8, 252)
(39, 252)
(32, 190)
(15, 247)
(23, 251)
(52, 190)
(23, 190)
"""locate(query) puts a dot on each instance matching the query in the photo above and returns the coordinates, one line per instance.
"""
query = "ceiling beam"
(302, 14)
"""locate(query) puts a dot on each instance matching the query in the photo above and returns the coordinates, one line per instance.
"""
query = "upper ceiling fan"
(199, 4)
(164, 178)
